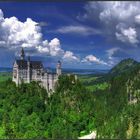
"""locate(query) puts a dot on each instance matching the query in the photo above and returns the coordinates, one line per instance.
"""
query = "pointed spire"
(59, 63)
(22, 55)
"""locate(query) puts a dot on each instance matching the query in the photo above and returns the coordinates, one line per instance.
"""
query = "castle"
(27, 71)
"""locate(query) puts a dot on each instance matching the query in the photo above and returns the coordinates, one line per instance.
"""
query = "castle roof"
(33, 64)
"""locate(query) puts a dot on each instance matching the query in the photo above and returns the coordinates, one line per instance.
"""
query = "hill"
(124, 65)
(127, 65)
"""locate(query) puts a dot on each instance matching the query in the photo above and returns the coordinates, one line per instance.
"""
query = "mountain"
(123, 66)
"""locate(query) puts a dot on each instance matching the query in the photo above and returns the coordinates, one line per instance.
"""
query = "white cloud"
(69, 56)
(118, 10)
(92, 59)
(115, 54)
(109, 14)
(112, 10)
(111, 60)
(137, 19)
(1, 16)
(81, 30)
(15, 34)
(55, 48)
(111, 52)
(127, 35)
(43, 49)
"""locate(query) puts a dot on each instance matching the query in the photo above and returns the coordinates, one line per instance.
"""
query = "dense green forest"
(75, 109)
(27, 111)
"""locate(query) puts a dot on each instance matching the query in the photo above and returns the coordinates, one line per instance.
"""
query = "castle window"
(38, 72)
(15, 74)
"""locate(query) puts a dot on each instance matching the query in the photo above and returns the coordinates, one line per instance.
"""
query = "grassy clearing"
(101, 86)
(88, 80)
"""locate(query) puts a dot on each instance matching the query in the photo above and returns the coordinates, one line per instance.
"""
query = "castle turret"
(28, 70)
(58, 68)
(22, 55)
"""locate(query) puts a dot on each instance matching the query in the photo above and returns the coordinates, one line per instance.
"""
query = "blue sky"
(95, 35)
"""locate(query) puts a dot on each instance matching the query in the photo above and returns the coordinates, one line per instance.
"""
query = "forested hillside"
(75, 109)
(123, 66)
(27, 112)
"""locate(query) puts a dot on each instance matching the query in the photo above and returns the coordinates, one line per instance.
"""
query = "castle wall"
(15, 74)
(47, 80)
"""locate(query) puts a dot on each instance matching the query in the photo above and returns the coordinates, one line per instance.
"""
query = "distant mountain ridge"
(66, 70)
(123, 66)
(5, 69)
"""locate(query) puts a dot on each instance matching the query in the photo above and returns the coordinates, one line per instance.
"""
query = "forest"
(74, 110)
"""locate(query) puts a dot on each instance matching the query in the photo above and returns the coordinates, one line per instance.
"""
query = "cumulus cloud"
(81, 30)
(93, 59)
(127, 35)
(44, 47)
(69, 56)
(118, 10)
(15, 34)
(110, 11)
(55, 48)
(110, 14)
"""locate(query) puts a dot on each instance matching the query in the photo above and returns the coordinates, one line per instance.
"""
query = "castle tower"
(58, 68)
(22, 55)
(28, 70)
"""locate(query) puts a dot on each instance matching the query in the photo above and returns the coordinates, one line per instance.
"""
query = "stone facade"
(27, 71)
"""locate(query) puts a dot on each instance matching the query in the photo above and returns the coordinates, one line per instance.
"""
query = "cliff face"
(133, 88)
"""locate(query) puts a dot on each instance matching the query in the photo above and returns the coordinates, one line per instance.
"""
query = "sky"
(86, 35)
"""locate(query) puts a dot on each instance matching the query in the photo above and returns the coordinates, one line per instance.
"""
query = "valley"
(93, 103)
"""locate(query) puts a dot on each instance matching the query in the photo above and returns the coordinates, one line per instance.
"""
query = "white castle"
(27, 71)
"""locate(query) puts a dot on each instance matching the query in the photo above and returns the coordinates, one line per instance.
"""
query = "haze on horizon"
(92, 35)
